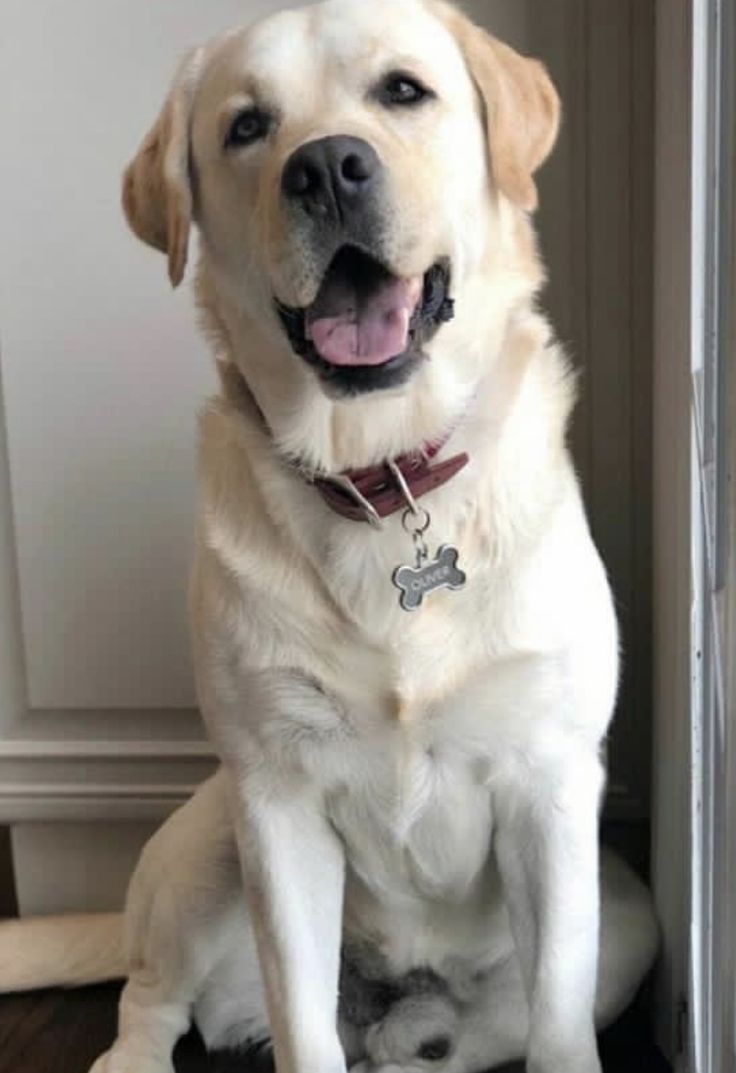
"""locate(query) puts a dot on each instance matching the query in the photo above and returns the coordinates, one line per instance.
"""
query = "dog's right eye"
(249, 126)
(402, 90)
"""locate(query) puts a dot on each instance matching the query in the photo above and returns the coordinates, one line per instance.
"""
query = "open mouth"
(367, 328)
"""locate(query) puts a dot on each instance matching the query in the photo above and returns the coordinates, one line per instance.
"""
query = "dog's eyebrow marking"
(249, 95)
(407, 65)
(244, 101)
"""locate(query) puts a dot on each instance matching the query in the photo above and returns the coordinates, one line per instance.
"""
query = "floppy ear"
(157, 190)
(522, 106)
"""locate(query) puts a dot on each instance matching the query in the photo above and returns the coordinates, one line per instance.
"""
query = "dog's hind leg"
(184, 917)
(151, 1020)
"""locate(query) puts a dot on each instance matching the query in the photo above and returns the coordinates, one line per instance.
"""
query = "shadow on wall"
(8, 904)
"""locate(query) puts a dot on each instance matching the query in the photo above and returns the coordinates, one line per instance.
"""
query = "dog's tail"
(68, 951)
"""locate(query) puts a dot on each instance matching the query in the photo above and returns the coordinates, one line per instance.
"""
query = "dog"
(405, 647)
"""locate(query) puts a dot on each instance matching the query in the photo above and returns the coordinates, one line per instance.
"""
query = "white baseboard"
(90, 766)
(75, 867)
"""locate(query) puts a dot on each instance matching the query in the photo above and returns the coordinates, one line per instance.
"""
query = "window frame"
(712, 953)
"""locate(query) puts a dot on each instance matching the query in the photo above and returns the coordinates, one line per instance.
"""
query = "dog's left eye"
(402, 89)
(248, 127)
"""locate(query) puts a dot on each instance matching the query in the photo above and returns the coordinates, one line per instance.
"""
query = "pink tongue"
(368, 331)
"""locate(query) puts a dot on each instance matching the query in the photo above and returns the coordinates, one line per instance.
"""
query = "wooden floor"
(63, 1032)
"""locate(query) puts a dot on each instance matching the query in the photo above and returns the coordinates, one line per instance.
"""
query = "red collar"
(373, 493)
(368, 495)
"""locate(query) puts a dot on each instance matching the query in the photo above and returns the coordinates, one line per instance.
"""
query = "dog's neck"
(372, 493)
(332, 436)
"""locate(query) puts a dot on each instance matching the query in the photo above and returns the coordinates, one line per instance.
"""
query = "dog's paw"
(102, 1064)
(117, 1061)
(591, 1065)
(576, 1062)
(585, 1065)
(368, 1067)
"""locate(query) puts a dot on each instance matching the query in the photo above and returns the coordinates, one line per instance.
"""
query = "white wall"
(101, 365)
(90, 869)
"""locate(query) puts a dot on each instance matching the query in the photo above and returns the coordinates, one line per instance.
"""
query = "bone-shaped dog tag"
(441, 573)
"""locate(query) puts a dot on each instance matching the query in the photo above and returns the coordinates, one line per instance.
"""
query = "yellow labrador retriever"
(405, 645)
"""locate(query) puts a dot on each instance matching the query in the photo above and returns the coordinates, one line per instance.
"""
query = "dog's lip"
(433, 307)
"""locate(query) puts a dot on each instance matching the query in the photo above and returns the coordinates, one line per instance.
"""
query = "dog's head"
(355, 170)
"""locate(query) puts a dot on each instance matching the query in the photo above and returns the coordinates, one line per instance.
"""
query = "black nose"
(331, 176)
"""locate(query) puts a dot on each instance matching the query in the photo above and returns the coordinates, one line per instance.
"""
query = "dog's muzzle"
(367, 328)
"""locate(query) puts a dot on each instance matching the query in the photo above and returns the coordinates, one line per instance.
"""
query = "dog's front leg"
(293, 870)
(272, 730)
(547, 850)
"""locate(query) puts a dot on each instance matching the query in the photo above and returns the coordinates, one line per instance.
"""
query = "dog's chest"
(415, 818)
(414, 806)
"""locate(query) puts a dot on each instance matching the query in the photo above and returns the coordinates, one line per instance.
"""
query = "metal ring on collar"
(404, 488)
(410, 524)
(371, 514)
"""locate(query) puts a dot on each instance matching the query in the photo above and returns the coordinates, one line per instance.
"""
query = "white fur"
(192, 953)
(426, 785)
